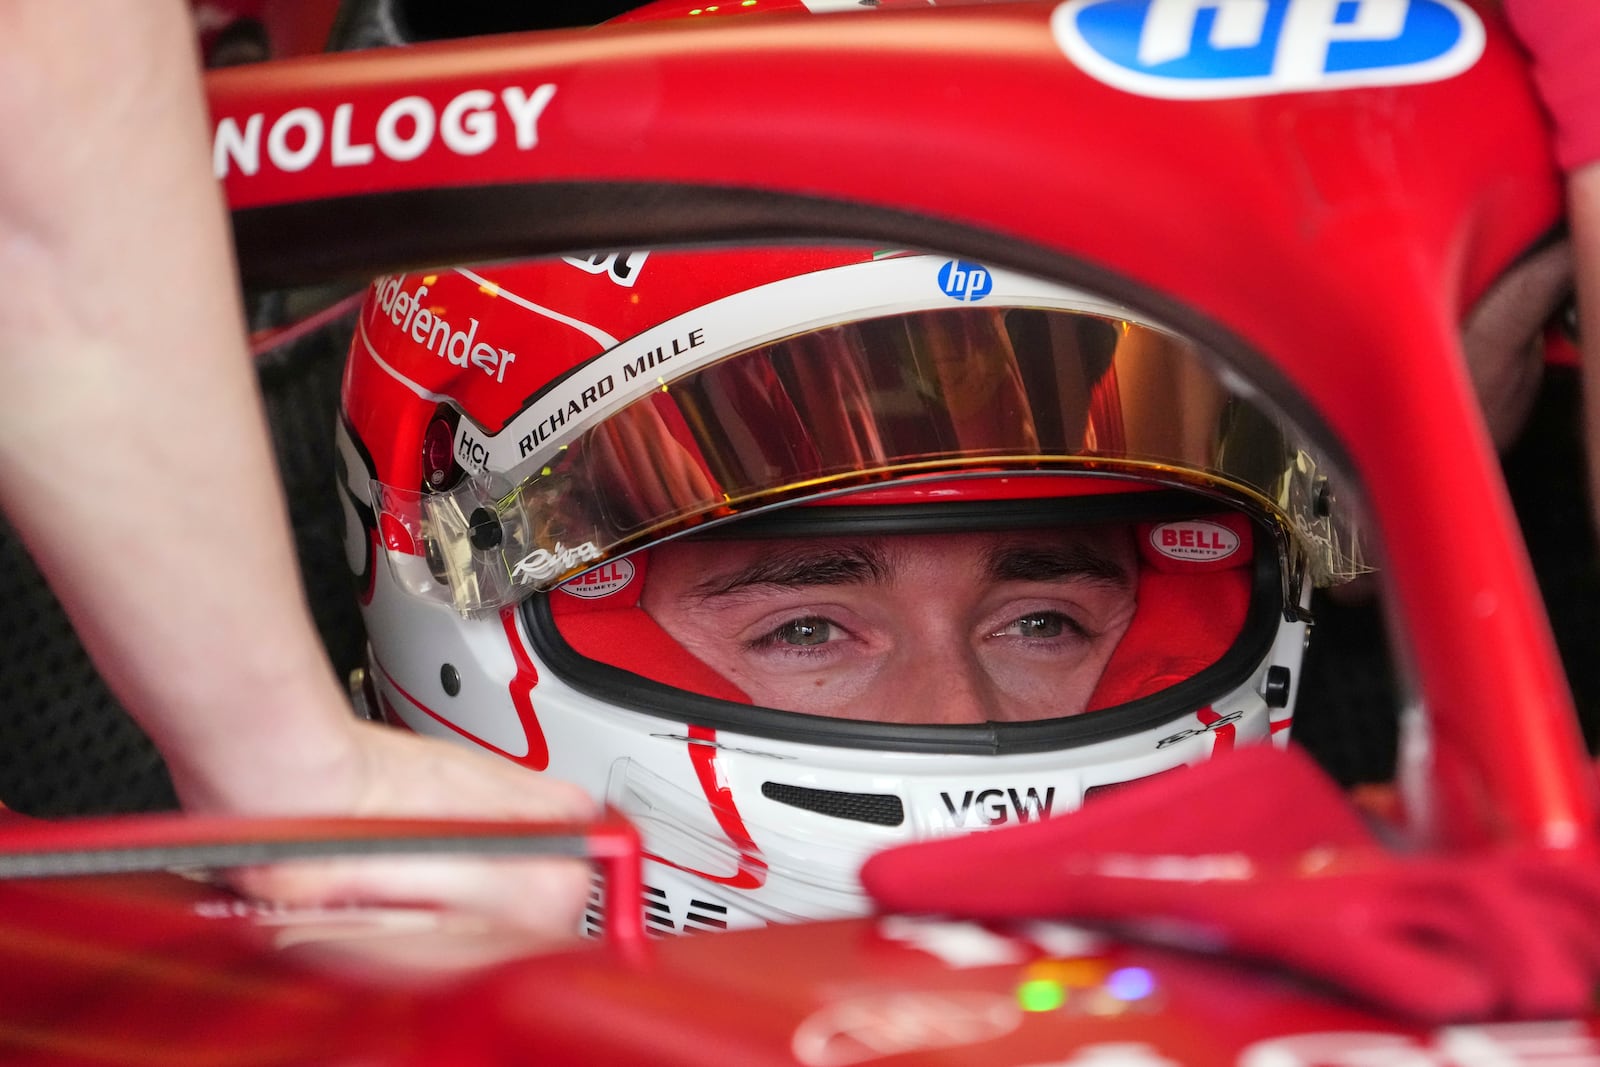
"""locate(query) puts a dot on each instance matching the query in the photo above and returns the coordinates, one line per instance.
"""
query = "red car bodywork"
(1328, 243)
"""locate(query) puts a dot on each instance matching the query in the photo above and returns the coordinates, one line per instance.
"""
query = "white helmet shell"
(492, 454)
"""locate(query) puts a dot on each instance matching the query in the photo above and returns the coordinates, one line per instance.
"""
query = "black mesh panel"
(66, 745)
(879, 809)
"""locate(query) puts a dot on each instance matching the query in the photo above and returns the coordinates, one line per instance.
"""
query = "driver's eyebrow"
(798, 567)
(1053, 563)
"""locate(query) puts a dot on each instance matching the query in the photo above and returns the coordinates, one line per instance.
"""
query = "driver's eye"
(804, 632)
(1565, 316)
(1042, 625)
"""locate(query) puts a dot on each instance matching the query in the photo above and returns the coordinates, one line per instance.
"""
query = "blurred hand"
(171, 551)
(386, 772)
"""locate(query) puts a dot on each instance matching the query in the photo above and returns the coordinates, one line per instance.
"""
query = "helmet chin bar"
(685, 837)
(783, 836)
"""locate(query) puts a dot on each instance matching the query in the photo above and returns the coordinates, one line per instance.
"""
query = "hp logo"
(965, 281)
(1210, 49)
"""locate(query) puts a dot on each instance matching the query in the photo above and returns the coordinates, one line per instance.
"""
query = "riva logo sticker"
(1211, 49)
(1195, 540)
(544, 563)
(348, 135)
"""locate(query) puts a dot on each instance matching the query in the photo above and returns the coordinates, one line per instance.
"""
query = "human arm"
(1562, 38)
(136, 465)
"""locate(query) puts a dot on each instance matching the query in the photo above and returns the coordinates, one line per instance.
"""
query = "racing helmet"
(794, 554)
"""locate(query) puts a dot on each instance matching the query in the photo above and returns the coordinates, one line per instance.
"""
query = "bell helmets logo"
(1194, 540)
(1212, 49)
(610, 577)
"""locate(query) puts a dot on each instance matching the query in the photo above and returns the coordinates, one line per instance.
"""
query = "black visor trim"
(955, 516)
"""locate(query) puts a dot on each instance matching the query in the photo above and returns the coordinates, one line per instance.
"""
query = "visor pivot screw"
(435, 557)
(450, 678)
(1275, 687)
(485, 529)
(1322, 505)
(438, 460)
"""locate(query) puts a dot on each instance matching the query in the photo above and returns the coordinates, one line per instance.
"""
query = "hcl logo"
(1210, 49)
(965, 281)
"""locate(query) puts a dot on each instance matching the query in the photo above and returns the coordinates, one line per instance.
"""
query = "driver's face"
(913, 628)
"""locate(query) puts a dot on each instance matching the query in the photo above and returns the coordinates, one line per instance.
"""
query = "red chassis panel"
(159, 969)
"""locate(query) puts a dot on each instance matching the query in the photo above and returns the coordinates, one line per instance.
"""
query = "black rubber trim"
(354, 238)
(637, 693)
(954, 516)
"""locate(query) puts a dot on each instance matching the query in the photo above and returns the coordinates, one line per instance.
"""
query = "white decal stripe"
(735, 323)
(595, 333)
(366, 342)
(432, 721)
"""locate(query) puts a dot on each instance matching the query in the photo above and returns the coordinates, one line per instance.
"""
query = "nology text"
(351, 136)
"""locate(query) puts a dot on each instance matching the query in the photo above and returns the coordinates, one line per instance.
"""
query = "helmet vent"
(704, 915)
(879, 809)
(657, 913)
(594, 916)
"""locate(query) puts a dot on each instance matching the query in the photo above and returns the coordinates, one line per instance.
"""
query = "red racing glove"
(1258, 854)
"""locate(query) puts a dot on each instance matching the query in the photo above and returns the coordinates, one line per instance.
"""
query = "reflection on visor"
(849, 405)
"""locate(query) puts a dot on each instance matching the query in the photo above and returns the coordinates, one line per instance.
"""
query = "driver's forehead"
(1101, 554)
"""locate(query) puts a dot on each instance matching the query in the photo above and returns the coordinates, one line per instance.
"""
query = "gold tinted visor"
(955, 389)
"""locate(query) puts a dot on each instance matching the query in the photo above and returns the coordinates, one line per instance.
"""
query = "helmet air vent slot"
(879, 809)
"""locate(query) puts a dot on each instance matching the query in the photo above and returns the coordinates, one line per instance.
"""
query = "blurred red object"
(232, 32)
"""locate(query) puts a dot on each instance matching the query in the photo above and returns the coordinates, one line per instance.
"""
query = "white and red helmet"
(522, 443)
